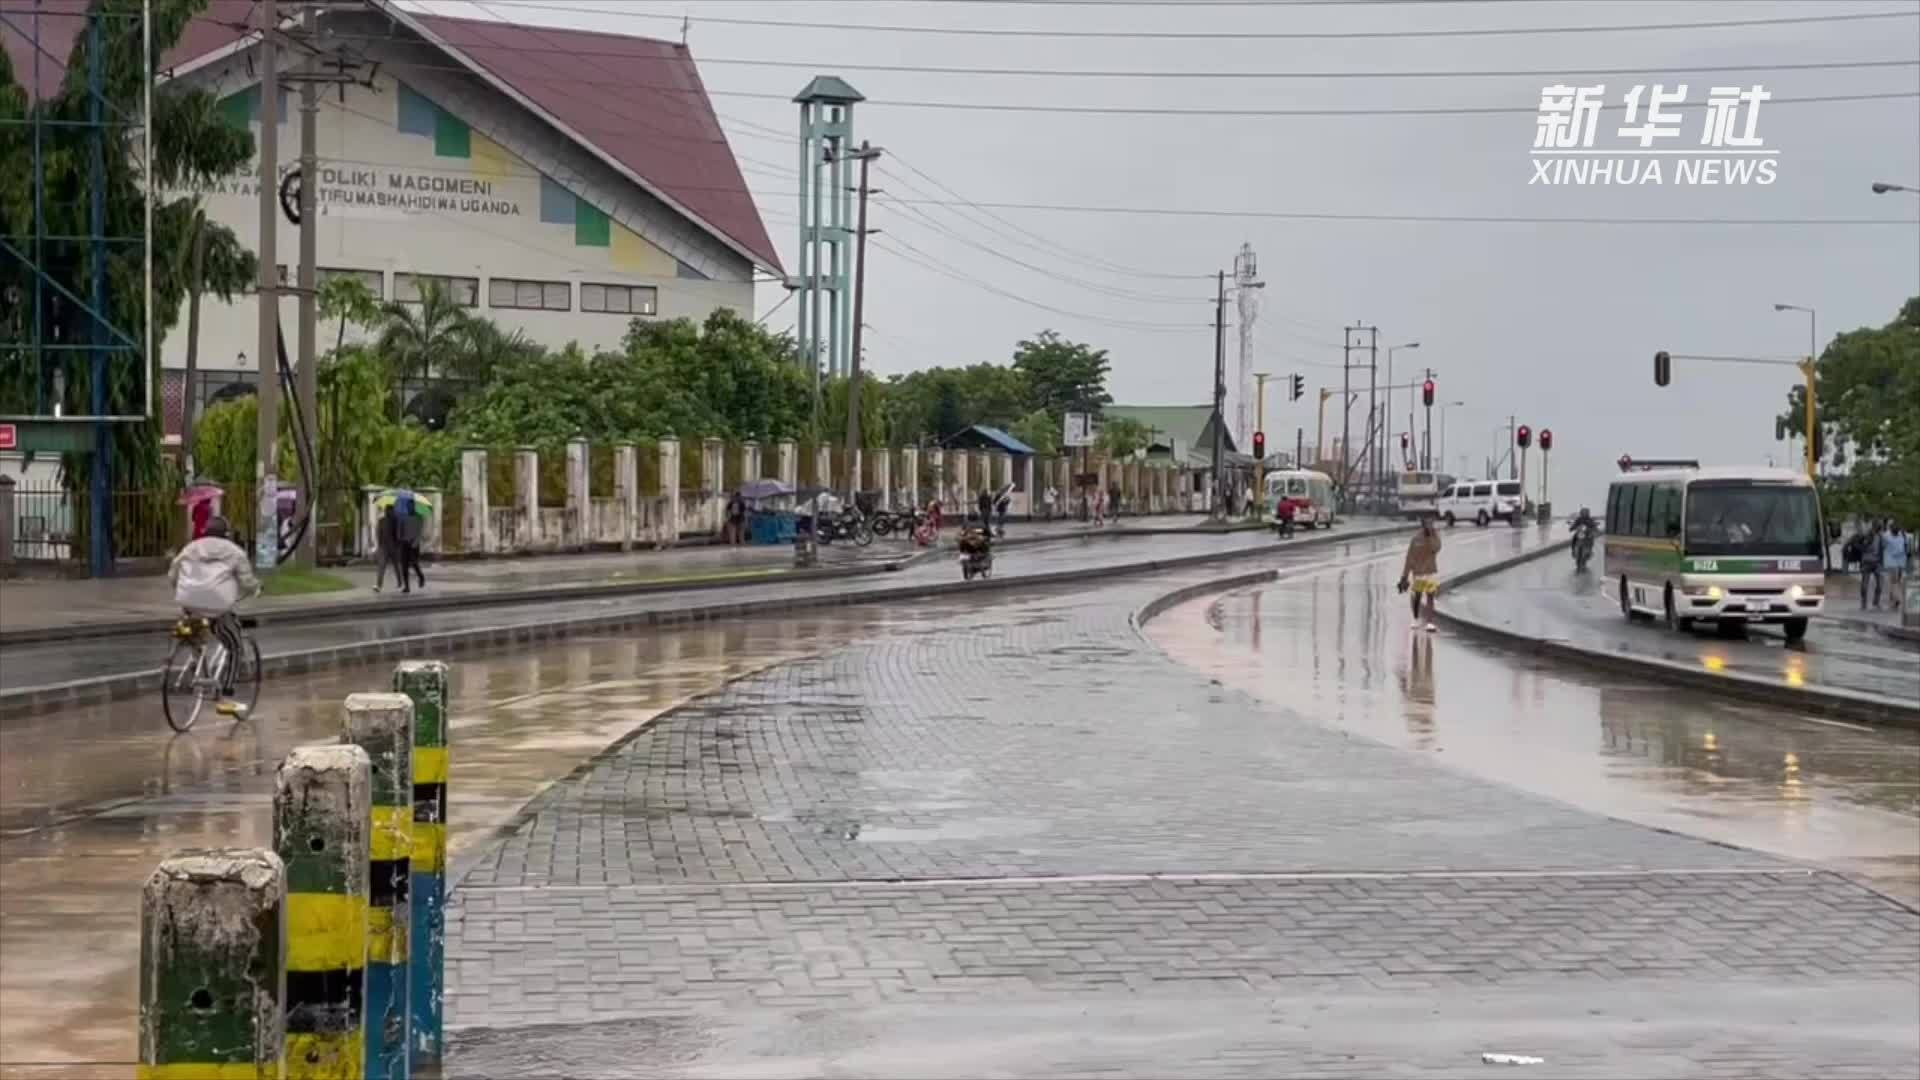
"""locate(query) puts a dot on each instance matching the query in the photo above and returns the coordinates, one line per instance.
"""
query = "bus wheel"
(1796, 629)
(1676, 621)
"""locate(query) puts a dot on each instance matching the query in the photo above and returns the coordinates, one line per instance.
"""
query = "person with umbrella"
(398, 533)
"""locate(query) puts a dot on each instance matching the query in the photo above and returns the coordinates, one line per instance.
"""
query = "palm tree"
(486, 348)
(422, 337)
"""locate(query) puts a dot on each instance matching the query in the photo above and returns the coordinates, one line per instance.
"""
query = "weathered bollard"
(382, 725)
(321, 812)
(425, 684)
(213, 973)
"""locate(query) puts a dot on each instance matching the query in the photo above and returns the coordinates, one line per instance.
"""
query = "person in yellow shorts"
(1420, 574)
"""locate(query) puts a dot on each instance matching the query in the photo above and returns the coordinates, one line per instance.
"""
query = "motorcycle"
(845, 525)
(976, 555)
(1582, 547)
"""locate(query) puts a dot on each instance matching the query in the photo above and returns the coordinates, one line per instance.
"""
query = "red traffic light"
(1546, 439)
(1625, 462)
(1259, 445)
(1406, 440)
(1426, 393)
(1524, 436)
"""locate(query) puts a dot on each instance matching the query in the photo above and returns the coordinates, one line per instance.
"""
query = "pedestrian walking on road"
(1872, 556)
(1420, 574)
(984, 505)
(386, 538)
(1052, 496)
(736, 530)
(1002, 503)
(1896, 552)
(409, 526)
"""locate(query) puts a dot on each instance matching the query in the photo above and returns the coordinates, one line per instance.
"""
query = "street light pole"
(1218, 505)
(1442, 457)
(1881, 187)
(1387, 437)
(1807, 369)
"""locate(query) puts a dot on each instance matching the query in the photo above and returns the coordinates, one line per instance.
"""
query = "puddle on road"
(90, 799)
(1338, 649)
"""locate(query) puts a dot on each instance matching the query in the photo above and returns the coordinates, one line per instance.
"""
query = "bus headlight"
(1795, 592)
(1711, 592)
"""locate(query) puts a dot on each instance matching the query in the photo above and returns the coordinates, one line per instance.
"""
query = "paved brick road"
(1019, 841)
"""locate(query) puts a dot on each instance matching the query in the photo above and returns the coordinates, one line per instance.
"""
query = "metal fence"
(53, 525)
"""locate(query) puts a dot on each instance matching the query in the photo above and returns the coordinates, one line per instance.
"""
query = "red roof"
(637, 100)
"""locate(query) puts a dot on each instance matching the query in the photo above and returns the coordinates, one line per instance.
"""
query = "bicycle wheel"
(184, 688)
(247, 677)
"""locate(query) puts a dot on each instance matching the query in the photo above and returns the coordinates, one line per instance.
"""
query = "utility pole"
(865, 154)
(307, 383)
(1373, 405)
(1346, 416)
(266, 540)
(1260, 429)
(1219, 503)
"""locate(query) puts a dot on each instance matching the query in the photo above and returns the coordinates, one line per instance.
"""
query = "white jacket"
(211, 575)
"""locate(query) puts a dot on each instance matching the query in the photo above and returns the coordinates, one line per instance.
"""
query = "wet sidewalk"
(1023, 841)
(29, 605)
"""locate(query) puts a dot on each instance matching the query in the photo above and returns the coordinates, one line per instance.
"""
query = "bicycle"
(199, 668)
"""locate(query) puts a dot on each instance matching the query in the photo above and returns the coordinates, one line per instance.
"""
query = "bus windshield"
(1744, 518)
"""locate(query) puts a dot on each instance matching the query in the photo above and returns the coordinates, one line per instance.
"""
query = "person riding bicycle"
(210, 576)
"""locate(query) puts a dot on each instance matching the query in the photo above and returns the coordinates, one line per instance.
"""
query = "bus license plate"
(1756, 618)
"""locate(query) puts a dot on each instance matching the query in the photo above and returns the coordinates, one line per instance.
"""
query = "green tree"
(1039, 430)
(349, 302)
(422, 338)
(1122, 435)
(1869, 415)
(192, 148)
(1063, 376)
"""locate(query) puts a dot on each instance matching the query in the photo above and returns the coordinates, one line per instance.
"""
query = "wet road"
(1336, 648)
(1009, 837)
(91, 798)
(54, 663)
(1548, 599)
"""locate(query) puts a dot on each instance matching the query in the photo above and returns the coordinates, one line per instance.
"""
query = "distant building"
(1182, 434)
(560, 182)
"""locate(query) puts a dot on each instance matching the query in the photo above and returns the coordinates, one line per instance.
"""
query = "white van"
(1481, 501)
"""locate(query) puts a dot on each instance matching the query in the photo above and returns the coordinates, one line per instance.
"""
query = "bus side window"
(1613, 525)
(1642, 503)
(1657, 510)
(1668, 522)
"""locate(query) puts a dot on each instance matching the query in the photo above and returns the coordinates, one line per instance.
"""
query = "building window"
(535, 295)
(374, 280)
(464, 290)
(617, 299)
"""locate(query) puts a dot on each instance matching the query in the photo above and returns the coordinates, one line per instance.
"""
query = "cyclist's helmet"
(217, 526)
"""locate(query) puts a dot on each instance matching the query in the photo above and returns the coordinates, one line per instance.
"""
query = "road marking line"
(1835, 723)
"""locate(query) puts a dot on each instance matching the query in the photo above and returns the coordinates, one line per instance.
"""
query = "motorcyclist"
(1584, 529)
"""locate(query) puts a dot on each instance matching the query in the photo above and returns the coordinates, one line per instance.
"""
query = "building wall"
(408, 187)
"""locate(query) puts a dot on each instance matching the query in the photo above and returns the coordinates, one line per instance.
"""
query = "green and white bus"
(1731, 545)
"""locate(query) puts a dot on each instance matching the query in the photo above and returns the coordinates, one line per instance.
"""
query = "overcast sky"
(1553, 322)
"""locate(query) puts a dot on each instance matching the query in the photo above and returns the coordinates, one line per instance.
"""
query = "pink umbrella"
(199, 493)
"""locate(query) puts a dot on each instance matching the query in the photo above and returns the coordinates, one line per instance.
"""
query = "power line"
(1464, 219)
(629, 86)
(1222, 35)
(926, 261)
(1000, 72)
(1025, 237)
(1093, 287)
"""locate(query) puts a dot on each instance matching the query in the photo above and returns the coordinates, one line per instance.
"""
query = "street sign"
(9, 436)
(1079, 430)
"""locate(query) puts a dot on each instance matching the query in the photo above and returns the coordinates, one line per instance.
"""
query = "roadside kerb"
(1822, 700)
(37, 699)
(312, 613)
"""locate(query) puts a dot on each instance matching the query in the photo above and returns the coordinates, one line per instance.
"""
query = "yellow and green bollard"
(425, 684)
(213, 951)
(382, 725)
(321, 817)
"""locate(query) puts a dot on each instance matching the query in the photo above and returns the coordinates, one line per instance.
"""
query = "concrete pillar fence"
(579, 526)
(476, 532)
(323, 957)
(526, 499)
(626, 492)
(669, 531)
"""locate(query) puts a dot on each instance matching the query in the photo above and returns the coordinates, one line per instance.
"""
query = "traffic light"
(1259, 446)
(1406, 441)
(1299, 388)
(1662, 368)
(1426, 393)
(1524, 436)
(1546, 439)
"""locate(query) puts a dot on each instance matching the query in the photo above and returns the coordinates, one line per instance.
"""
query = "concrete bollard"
(321, 812)
(213, 966)
(425, 684)
(382, 725)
